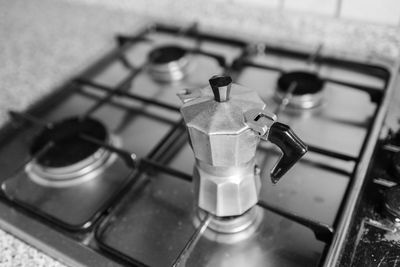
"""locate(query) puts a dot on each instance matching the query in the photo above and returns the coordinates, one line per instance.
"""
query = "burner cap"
(232, 229)
(168, 63)
(392, 201)
(308, 90)
(68, 147)
(307, 83)
(166, 54)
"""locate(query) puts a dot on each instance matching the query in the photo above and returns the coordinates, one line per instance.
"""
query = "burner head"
(69, 155)
(166, 54)
(231, 224)
(68, 147)
(168, 63)
(231, 230)
(307, 92)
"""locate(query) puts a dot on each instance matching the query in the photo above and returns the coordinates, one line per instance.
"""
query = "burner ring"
(308, 92)
(168, 63)
(396, 164)
(166, 54)
(69, 148)
(230, 230)
(71, 159)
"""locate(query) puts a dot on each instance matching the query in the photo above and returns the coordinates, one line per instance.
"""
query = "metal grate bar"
(241, 63)
(324, 152)
(331, 154)
(220, 59)
(109, 90)
(372, 70)
(391, 148)
(122, 86)
(129, 158)
(322, 232)
(123, 39)
(184, 254)
(202, 35)
(375, 94)
(167, 139)
(152, 165)
(28, 118)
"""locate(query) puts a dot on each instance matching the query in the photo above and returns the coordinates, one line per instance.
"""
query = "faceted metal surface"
(237, 149)
(307, 188)
(228, 191)
(221, 87)
(219, 133)
(224, 145)
(241, 100)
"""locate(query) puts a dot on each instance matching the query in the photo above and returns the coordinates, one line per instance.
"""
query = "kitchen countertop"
(46, 42)
(43, 44)
(17, 253)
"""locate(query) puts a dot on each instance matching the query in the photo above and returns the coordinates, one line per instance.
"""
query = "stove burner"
(392, 201)
(166, 54)
(168, 63)
(68, 147)
(69, 156)
(308, 89)
(232, 224)
(231, 229)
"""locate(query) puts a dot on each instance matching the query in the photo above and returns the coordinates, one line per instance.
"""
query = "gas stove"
(100, 172)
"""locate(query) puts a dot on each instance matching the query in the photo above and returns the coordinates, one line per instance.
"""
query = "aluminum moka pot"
(225, 122)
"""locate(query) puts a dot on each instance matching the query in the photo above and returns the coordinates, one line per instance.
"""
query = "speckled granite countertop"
(43, 43)
(46, 42)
